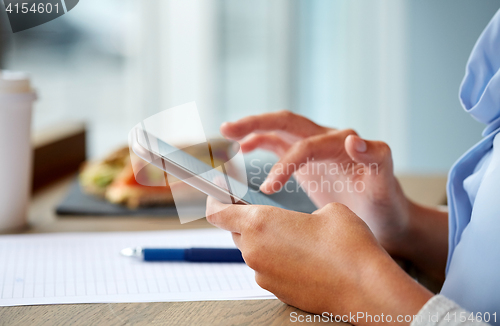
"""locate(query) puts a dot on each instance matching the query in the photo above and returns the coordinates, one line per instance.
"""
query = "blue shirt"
(473, 267)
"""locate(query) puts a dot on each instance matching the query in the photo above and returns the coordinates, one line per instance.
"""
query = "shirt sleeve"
(441, 311)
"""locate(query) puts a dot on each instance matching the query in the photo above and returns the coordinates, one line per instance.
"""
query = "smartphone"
(194, 172)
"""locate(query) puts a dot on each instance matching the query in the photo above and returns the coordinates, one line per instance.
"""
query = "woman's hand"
(328, 261)
(331, 166)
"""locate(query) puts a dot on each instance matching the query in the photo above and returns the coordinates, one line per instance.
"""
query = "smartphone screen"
(206, 172)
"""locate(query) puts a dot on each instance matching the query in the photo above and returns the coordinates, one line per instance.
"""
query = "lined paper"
(61, 268)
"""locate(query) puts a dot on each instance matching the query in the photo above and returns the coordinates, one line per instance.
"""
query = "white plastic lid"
(12, 82)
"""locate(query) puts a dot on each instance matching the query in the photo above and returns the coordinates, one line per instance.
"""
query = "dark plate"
(79, 203)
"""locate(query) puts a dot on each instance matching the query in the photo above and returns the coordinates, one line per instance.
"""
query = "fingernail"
(360, 145)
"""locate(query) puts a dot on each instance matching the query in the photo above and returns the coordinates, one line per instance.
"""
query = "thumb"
(368, 152)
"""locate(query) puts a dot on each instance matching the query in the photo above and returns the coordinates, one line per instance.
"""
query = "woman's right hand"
(331, 166)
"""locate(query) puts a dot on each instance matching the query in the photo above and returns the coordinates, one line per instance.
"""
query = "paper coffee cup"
(16, 102)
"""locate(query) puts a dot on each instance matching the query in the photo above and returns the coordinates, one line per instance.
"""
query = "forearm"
(425, 243)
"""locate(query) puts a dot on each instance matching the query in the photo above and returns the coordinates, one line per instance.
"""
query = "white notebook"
(60, 268)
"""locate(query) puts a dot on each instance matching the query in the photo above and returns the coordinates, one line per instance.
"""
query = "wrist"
(390, 291)
(424, 241)
(399, 239)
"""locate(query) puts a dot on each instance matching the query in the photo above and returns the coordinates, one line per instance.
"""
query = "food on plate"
(113, 178)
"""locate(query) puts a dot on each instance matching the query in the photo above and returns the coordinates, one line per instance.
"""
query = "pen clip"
(131, 252)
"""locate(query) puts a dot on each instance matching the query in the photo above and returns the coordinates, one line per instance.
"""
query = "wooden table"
(43, 220)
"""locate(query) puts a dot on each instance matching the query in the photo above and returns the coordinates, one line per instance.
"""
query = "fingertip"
(270, 186)
(214, 207)
(231, 130)
(350, 138)
(356, 143)
(245, 146)
(360, 145)
(352, 151)
(209, 203)
(266, 188)
(246, 150)
(248, 147)
(213, 203)
(224, 128)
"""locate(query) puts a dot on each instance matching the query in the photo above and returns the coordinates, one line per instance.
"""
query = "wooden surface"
(43, 219)
(425, 189)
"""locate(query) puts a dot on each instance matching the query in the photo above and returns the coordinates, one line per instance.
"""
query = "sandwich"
(113, 179)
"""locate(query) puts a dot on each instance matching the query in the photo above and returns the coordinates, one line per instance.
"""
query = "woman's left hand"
(328, 261)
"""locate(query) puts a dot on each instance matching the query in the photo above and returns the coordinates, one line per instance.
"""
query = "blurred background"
(389, 69)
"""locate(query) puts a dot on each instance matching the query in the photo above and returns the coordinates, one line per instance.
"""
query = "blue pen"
(200, 255)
